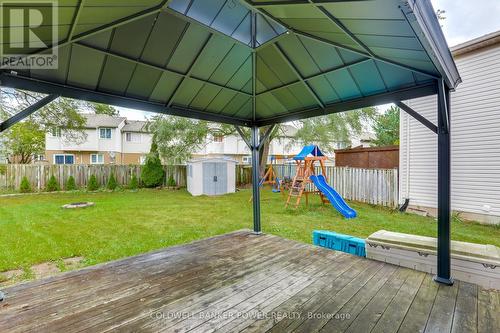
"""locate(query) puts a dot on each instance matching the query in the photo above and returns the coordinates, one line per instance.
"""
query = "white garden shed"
(211, 176)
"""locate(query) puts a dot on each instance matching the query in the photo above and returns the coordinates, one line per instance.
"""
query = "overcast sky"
(465, 20)
(468, 19)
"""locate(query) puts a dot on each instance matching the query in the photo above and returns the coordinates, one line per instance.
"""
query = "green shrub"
(52, 185)
(171, 181)
(112, 185)
(93, 185)
(71, 184)
(3, 169)
(25, 185)
(152, 172)
(134, 183)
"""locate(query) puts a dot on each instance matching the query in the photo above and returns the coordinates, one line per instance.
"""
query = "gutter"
(476, 44)
(431, 37)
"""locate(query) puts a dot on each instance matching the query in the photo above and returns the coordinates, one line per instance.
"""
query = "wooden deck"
(244, 283)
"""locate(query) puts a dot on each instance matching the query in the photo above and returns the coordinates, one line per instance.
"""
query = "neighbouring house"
(116, 140)
(475, 138)
(283, 147)
(109, 140)
(365, 140)
(233, 147)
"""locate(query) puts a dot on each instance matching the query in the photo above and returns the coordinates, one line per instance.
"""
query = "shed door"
(208, 178)
(221, 178)
(214, 178)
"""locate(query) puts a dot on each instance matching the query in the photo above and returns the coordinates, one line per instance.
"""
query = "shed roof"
(213, 159)
(243, 62)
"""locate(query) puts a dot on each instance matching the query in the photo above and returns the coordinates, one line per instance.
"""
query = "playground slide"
(332, 195)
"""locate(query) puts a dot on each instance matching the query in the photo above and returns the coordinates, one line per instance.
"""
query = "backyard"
(35, 229)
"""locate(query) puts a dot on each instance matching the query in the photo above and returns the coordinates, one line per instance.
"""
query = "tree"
(330, 130)
(178, 138)
(134, 183)
(93, 185)
(71, 184)
(104, 109)
(440, 14)
(386, 128)
(25, 185)
(22, 141)
(171, 181)
(112, 185)
(61, 113)
(152, 173)
(52, 185)
(264, 153)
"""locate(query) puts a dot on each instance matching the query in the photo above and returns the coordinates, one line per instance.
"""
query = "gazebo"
(246, 63)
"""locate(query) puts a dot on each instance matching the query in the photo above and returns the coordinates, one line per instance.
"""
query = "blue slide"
(332, 195)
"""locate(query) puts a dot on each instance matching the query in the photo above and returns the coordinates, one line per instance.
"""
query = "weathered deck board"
(240, 282)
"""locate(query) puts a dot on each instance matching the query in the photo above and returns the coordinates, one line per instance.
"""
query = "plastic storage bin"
(339, 242)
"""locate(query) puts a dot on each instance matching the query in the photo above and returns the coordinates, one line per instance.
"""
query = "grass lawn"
(36, 229)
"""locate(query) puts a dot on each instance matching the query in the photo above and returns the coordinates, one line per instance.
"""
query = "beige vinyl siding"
(475, 135)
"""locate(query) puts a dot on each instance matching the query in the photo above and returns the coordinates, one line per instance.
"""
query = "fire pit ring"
(77, 205)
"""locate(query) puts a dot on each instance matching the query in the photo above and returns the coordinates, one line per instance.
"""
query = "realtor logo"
(28, 31)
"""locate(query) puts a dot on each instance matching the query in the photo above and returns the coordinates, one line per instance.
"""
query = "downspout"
(408, 137)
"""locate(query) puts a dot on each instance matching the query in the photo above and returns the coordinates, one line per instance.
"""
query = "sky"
(465, 20)
(468, 19)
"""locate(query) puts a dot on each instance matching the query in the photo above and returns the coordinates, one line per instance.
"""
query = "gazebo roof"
(244, 62)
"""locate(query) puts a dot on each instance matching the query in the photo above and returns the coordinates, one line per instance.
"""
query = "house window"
(218, 138)
(105, 133)
(247, 159)
(64, 159)
(56, 132)
(133, 137)
(97, 159)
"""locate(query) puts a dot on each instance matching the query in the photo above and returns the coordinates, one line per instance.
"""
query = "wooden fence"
(38, 175)
(368, 157)
(374, 186)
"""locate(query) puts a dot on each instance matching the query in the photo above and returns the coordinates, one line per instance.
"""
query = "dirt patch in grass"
(40, 271)
(44, 270)
(73, 263)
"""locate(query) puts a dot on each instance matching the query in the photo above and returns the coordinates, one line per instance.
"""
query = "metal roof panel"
(223, 60)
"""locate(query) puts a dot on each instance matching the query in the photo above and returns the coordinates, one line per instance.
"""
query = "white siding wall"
(117, 143)
(60, 143)
(475, 129)
(234, 145)
(141, 147)
(110, 144)
(230, 145)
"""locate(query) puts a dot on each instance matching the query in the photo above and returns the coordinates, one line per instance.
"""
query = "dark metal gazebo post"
(444, 187)
(255, 144)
